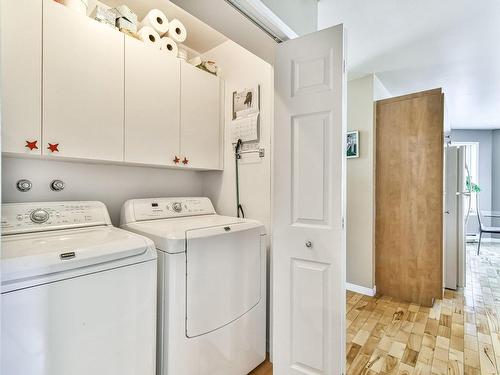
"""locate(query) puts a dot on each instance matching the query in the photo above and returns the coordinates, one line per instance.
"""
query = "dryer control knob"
(177, 207)
(39, 216)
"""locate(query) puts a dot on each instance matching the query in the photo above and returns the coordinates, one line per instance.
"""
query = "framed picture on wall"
(352, 144)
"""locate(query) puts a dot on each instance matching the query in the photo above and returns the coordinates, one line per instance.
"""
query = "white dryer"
(211, 285)
(78, 295)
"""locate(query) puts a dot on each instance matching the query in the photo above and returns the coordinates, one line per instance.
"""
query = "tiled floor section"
(458, 335)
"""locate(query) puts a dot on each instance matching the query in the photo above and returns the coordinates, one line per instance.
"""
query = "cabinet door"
(21, 75)
(152, 104)
(200, 118)
(82, 86)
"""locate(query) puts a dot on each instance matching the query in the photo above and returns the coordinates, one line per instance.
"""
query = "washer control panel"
(165, 208)
(43, 216)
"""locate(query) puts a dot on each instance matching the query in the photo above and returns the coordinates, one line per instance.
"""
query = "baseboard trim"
(361, 289)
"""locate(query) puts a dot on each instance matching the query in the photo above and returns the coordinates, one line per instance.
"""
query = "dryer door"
(223, 275)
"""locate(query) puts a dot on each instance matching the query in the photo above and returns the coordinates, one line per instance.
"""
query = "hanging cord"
(237, 156)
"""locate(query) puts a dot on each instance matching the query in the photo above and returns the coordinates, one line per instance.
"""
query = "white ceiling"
(414, 45)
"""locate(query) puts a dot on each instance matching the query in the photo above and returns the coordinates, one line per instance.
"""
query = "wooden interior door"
(409, 197)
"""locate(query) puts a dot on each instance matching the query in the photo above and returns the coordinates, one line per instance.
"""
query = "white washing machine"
(211, 285)
(78, 295)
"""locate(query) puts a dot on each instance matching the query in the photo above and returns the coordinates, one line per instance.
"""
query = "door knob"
(309, 244)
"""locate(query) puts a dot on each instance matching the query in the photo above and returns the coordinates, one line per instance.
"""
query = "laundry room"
(111, 119)
(112, 168)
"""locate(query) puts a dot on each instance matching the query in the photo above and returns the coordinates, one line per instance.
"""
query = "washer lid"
(27, 256)
(169, 235)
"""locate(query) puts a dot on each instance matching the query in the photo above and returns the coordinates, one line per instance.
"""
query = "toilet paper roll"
(157, 20)
(149, 36)
(177, 31)
(169, 46)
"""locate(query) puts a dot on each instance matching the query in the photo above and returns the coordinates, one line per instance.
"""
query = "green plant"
(471, 186)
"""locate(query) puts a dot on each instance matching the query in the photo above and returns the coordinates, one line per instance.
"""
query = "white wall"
(360, 185)
(242, 69)
(111, 184)
(361, 95)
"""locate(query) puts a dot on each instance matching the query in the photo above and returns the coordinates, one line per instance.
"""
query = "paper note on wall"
(245, 128)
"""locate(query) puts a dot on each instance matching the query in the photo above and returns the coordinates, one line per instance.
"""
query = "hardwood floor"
(265, 368)
(458, 335)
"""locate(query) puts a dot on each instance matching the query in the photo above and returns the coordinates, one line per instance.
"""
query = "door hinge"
(344, 66)
(343, 223)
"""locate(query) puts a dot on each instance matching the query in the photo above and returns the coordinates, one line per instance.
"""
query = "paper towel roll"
(149, 36)
(177, 31)
(169, 46)
(157, 20)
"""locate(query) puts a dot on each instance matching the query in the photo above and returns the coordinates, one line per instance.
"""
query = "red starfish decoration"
(176, 160)
(53, 147)
(31, 145)
(185, 161)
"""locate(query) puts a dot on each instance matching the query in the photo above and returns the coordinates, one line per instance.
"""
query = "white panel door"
(152, 104)
(200, 118)
(82, 86)
(308, 211)
(21, 75)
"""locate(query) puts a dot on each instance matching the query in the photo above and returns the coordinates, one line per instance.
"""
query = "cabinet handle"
(31, 145)
(176, 160)
(185, 161)
(53, 147)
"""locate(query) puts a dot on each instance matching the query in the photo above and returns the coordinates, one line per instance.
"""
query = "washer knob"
(177, 207)
(57, 185)
(24, 185)
(39, 216)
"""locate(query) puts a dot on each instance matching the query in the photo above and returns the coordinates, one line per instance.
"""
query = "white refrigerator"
(457, 206)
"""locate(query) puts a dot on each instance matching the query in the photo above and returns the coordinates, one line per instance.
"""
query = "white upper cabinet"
(200, 118)
(152, 104)
(83, 86)
(73, 87)
(21, 75)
